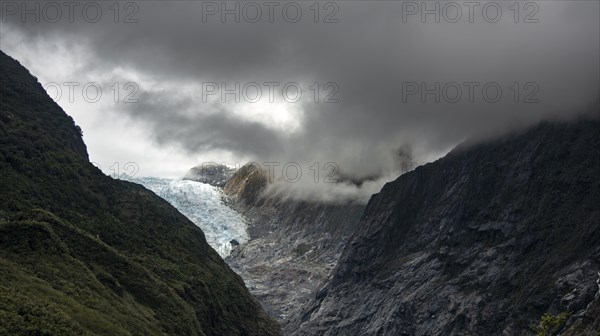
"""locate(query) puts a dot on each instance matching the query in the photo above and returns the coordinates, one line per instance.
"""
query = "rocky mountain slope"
(210, 173)
(83, 254)
(484, 241)
(293, 245)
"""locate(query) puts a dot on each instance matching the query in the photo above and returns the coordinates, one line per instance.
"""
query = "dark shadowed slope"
(83, 254)
(482, 242)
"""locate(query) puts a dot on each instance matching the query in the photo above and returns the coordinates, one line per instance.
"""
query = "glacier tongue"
(203, 205)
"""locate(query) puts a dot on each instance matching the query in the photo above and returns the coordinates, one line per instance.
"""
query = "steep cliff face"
(293, 245)
(481, 242)
(83, 254)
(585, 321)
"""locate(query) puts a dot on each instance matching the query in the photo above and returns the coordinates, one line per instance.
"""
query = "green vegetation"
(83, 254)
(550, 324)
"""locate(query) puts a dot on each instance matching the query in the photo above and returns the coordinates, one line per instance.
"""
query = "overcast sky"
(368, 71)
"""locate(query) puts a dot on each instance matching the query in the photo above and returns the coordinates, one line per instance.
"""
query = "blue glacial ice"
(202, 204)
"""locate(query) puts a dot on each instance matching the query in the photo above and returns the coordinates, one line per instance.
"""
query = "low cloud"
(403, 82)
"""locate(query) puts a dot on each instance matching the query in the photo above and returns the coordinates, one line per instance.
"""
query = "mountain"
(293, 244)
(499, 238)
(84, 254)
(210, 173)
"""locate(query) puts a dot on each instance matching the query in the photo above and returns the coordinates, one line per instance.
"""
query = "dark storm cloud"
(373, 57)
(177, 120)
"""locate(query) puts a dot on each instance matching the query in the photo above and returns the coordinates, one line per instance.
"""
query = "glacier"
(204, 205)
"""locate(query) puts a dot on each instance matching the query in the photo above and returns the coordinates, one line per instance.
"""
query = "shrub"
(550, 324)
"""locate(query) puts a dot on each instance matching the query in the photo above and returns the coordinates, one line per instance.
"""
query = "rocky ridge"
(484, 241)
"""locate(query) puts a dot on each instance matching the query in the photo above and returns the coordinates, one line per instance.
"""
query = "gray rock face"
(293, 247)
(210, 173)
(584, 322)
(481, 242)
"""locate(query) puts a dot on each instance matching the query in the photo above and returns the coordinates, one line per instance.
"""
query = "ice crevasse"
(203, 204)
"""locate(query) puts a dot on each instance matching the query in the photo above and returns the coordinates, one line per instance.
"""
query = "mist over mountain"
(484, 241)
(391, 77)
(300, 168)
(84, 254)
(499, 237)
